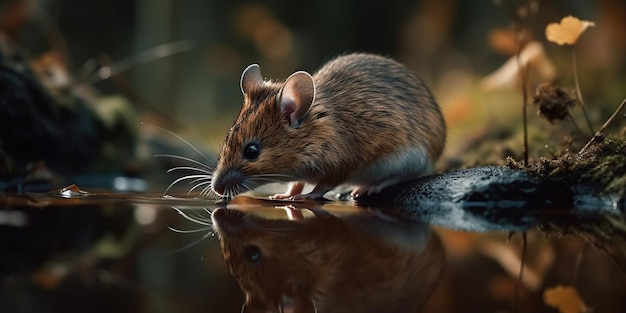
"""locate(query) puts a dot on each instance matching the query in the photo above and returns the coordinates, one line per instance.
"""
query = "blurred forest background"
(460, 48)
(451, 44)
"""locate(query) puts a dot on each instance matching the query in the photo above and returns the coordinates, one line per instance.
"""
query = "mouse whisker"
(189, 231)
(196, 215)
(200, 184)
(182, 179)
(207, 191)
(191, 168)
(192, 214)
(202, 178)
(245, 186)
(185, 247)
(194, 219)
(186, 142)
(228, 193)
(238, 190)
(173, 156)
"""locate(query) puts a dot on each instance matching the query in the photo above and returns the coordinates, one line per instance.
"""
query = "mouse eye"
(252, 253)
(251, 151)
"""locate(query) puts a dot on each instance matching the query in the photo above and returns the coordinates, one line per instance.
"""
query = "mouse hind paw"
(375, 188)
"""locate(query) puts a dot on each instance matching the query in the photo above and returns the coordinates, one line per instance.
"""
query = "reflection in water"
(359, 262)
(111, 252)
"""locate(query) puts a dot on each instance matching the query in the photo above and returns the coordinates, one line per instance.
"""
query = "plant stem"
(578, 93)
(571, 118)
(520, 277)
(598, 134)
(522, 69)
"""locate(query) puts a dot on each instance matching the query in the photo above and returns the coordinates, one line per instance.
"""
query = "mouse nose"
(219, 189)
(227, 182)
(227, 221)
(218, 213)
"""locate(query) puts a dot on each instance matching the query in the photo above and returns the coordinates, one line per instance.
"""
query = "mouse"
(362, 120)
(354, 262)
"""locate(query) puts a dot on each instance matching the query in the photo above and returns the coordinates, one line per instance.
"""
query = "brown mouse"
(354, 263)
(362, 120)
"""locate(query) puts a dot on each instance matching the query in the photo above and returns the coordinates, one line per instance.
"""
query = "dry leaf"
(507, 41)
(532, 57)
(567, 31)
(510, 261)
(565, 299)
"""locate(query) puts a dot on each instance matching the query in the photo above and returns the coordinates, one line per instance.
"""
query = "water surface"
(72, 251)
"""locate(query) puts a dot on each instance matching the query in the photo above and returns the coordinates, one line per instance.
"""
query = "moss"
(603, 164)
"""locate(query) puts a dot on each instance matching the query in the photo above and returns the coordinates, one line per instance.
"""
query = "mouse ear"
(250, 78)
(296, 97)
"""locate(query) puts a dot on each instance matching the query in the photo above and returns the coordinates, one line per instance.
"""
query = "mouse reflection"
(359, 262)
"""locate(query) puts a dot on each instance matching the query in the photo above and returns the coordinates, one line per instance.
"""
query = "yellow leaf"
(565, 299)
(567, 31)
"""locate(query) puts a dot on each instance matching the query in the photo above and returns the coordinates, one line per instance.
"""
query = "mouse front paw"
(281, 196)
(294, 189)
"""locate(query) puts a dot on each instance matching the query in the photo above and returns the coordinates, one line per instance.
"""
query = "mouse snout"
(227, 220)
(218, 213)
(228, 182)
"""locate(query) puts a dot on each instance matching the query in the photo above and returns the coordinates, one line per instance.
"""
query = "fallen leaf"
(567, 31)
(506, 41)
(510, 261)
(565, 298)
(532, 57)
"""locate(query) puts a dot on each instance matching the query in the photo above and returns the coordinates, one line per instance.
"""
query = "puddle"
(76, 251)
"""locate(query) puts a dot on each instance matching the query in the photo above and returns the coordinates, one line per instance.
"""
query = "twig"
(571, 118)
(599, 134)
(578, 92)
(517, 18)
(518, 286)
(524, 105)
(153, 54)
(554, 156)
